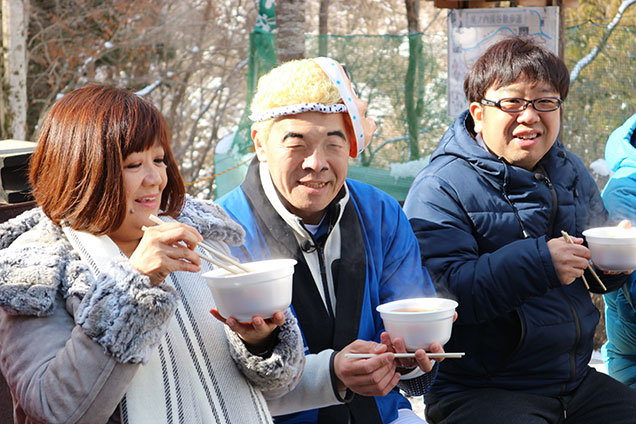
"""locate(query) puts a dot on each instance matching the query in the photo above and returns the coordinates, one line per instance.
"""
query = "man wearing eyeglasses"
(489, 211)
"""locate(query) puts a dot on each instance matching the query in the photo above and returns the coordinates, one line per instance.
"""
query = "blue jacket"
(483, 227)
(379, 262)
(619, 196)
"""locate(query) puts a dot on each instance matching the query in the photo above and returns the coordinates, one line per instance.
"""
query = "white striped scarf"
(190, 377)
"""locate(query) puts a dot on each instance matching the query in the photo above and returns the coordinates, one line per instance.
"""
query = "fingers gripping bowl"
(612, 248)
(265, 289)
(419, 321)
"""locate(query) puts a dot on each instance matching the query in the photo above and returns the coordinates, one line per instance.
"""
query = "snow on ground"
(408, 169)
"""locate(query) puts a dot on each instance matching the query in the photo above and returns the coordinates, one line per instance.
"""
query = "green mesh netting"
(604, 94)
(383, 72)
(403, 79)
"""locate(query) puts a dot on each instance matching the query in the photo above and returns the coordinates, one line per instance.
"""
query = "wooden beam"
(541, 3)
(470, 4)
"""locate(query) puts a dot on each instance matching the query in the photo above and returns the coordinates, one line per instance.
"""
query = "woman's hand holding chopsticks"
(232, 265)
(166, 248)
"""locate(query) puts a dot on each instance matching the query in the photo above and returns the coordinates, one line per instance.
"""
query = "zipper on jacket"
(577, 326)
(516, 212)
(505, 196)
(565, 409)
(541, 176)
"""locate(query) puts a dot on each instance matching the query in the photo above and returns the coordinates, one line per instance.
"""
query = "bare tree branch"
(576, 70)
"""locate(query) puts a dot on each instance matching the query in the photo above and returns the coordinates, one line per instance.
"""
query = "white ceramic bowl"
(419, 321)
(267, 288)
(613, 248)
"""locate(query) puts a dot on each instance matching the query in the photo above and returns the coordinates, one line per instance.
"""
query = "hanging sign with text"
(472, 31)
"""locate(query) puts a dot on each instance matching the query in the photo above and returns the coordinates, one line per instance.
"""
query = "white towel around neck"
(190, 377)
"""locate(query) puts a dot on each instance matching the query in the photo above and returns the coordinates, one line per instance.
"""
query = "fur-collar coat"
(106, 326)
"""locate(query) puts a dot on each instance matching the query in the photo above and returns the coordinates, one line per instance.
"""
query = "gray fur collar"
(14, 227)
(32, 273)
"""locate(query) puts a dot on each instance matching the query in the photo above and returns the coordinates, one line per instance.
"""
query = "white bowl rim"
(220, 274)
(388, 308)
(621, 233)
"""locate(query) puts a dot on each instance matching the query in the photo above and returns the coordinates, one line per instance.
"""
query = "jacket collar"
(459, 141)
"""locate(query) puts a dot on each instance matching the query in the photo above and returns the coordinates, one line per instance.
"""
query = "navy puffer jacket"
(483, 227)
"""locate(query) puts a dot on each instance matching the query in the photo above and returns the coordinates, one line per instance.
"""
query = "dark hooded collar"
(459, 141)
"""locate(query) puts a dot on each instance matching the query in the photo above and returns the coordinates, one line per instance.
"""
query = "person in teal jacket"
(353, 245)
(619, 196)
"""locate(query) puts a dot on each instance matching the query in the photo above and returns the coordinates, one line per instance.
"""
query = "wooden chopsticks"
(407, 355)
(567, 238)
(220, 255)
(223, 256)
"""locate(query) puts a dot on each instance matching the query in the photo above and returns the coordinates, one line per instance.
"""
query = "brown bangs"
(76, 171)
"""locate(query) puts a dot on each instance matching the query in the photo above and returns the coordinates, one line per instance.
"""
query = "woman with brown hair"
(105, 320)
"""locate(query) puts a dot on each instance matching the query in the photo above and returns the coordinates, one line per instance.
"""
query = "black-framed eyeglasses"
(517, 104)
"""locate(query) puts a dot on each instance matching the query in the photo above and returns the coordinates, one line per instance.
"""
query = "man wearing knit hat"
(353, 244)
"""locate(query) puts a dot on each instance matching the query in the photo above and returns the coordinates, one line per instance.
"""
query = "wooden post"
(561, 28)
(560, 5)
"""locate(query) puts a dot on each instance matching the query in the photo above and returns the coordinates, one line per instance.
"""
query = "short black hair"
(512, 59)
